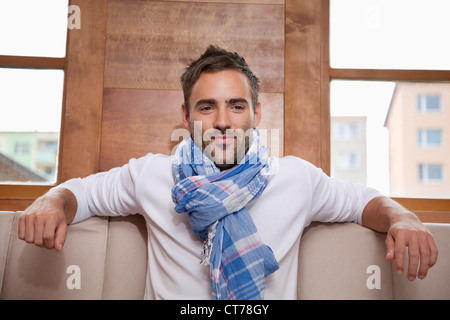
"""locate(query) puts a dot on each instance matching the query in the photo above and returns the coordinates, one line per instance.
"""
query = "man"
(222, 201)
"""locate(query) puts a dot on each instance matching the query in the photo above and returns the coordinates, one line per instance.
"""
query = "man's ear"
(185, 116)
(257, 118)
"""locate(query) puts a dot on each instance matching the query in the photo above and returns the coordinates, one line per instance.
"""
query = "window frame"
(18, 190)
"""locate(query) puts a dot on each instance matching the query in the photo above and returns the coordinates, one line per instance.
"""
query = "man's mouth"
(223, 139)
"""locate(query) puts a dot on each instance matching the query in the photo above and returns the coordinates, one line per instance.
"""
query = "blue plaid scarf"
(215, 203)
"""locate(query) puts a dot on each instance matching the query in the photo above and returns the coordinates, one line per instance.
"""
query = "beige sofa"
(105, 258)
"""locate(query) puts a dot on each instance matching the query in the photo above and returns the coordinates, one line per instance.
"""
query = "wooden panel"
(15, 204)
(80, 134)
(433, 217)
(32, 62)
(306, 128)
(236, 1)
(390, 75)
(149, 44)
(136, 122)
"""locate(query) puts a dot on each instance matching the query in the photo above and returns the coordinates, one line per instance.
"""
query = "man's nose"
(222, 120)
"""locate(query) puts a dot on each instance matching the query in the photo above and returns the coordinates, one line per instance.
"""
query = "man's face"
(221, 116)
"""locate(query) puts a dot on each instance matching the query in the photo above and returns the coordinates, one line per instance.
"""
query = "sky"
(30, 100)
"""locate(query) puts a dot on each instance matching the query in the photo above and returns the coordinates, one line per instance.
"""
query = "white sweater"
(296, 195)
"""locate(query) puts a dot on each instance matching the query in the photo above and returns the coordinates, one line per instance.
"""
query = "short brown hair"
(216, 59)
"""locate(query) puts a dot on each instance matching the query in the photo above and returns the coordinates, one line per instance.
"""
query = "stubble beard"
(227, 153)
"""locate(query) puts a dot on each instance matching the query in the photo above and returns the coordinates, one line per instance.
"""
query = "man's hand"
(409, 232)
(44, 223)
(403, 229)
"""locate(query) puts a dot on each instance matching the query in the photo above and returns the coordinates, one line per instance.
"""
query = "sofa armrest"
(334, 260)
(346, 260)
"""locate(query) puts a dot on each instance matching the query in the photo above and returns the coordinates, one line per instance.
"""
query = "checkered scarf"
(215, 203)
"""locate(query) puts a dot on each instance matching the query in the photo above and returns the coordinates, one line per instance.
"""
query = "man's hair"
(213, 60)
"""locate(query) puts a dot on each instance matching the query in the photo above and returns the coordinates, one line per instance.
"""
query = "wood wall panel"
(136, 122)
(304, 110)
(148, 46)
(80, 134)
(149, 43)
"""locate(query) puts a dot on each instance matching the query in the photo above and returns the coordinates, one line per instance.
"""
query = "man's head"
(221, 105)
(215, 59)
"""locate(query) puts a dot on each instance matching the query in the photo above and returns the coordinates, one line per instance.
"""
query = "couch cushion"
(126, 258)
(336, 262)
(37, 273)
(6, 220)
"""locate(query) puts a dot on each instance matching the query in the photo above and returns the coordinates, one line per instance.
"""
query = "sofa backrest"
(106, 258)
(102, 258)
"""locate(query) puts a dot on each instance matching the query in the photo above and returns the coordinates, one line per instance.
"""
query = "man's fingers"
(49, 234)
(399, 252)
(390, 247)
(29, 229)
(44, 230)
(433, 250)
(414, 255)
(21, 231)
(60, 237)
(425, 255)
(422, 252)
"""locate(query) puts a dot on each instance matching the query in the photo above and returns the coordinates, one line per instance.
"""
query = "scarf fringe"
(208, 244)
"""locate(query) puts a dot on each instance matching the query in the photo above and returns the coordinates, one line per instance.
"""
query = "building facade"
(32, 152)
(419, 140)
(348, 148)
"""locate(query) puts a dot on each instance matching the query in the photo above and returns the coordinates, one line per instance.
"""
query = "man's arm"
(44, 223)
(403, 229)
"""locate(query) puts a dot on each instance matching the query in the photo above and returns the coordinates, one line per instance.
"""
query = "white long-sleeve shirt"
(296, 195)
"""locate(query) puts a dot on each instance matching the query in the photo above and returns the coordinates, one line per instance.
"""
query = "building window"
(347, 131)
(22, 149)
(430, 138)
(430, 173)
(349, 160)
(428, 103)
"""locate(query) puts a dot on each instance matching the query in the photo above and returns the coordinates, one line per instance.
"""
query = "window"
(32, 62)
(22, 149)
(430, 138)
(386, 34)
(382, 67)
(428, 103)
(347, 131)
(36, 28)
(430, 173)
(349, 160)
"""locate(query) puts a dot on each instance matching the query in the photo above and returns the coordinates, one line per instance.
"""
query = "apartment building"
(348, 148)
(418, 121)
(28, 156)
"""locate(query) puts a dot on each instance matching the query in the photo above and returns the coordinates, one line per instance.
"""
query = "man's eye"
(238, 107)
(206, 108)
